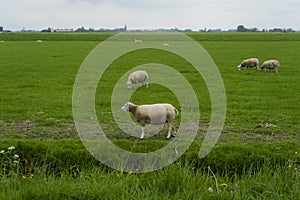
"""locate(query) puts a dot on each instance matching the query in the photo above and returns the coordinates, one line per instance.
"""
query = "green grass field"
(256, 156)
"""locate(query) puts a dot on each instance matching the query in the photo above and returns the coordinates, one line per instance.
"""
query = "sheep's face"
(239, 67)
(129, 84)
(125, 107)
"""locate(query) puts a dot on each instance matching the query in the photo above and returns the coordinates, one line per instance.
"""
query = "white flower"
(11, 148)
(2, 151)
(15, 161)
(16, 156)
(210, 189)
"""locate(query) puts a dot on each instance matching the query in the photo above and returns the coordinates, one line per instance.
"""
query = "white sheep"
(155, 114)
(39, 41)
(136, 77)
(137, 41)
(165, 45)
(270, 64)
(248, 63)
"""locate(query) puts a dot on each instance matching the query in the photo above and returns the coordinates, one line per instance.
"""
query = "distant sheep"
(270, 64)
(39, 41)
(249, 63)
(138, 77)
(1, 41)
(137, 41)
(155, 114)
(165, 45)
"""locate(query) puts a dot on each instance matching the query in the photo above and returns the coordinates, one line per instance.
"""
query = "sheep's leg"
(147, 84)
(276, 70)
(170, 130)
(143, 132)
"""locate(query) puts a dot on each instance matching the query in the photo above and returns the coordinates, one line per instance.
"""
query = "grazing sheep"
(137, 41)
(270, 64)
(1, 41)
(39, 41)
(155, 114)
(249, 63)
(138, 77)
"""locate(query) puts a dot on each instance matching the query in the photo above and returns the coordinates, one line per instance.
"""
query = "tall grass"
(174, 182)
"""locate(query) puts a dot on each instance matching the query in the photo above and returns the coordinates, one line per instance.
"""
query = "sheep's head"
(239, 67)
(129, 84)
(126, 106)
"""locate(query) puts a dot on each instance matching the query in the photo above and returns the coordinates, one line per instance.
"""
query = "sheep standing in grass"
(137, 41)
(165, 45)
(270, 64)
(138, 77)
(155, 114)
(249, 63)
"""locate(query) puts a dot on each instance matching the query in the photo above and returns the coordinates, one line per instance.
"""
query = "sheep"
(270, 64)
(155, 114)
(39, 41)
(137, 41)
(248, 63)
(165, 45)
(136, 77)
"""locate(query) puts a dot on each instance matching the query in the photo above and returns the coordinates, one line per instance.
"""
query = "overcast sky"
(194, 14)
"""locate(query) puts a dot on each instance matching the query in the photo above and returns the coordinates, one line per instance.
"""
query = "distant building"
(63, 30)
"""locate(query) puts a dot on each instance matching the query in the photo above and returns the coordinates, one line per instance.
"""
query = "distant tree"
(47, 30)
(188, 30)
(241, 28)
(82, 29)
(290, 30)
(276, 30)
(253, 30)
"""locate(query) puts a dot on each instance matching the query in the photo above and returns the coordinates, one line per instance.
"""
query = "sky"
(149, 14)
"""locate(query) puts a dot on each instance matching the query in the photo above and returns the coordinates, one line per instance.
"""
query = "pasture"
(256, 157)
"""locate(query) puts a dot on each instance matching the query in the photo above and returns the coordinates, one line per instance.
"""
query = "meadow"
(256, 157)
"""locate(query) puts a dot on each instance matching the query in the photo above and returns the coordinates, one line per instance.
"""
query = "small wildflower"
(2, 151)
(210, 189)
(224, 185)
(16, 156)
(296, 152)
(130, 172)
(23, 177)
(31, 176)
(15, 161)
(11, 148)
(290, 166)
(296, 169)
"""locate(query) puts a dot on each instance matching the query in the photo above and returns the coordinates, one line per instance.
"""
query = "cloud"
(142, 4)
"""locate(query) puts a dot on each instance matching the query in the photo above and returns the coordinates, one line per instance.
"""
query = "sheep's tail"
(176, 111)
